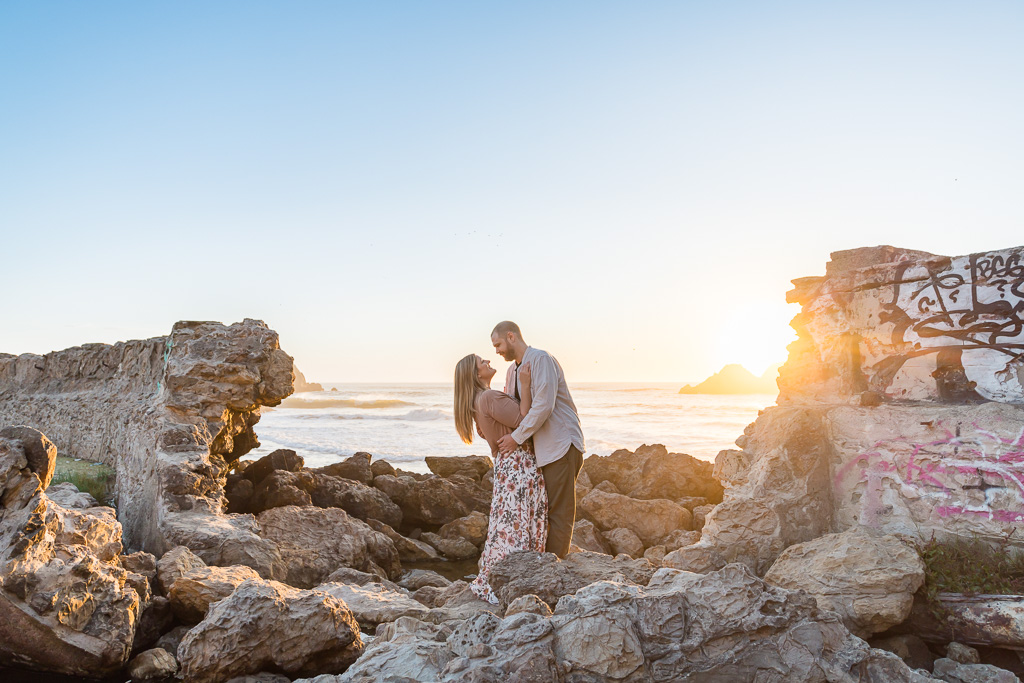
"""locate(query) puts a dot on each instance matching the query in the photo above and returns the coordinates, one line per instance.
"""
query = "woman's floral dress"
(519, 515)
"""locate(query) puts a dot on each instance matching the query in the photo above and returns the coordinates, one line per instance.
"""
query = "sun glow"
(756, 337)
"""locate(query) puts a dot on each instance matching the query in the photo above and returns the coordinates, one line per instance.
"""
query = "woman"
(519, 504)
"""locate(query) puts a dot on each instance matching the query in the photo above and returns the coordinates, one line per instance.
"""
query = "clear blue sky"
(634, 183)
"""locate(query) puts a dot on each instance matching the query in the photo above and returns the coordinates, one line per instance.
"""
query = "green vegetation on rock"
(973, 567)
(90, 477)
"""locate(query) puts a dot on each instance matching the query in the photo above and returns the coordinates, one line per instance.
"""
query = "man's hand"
(507, 444)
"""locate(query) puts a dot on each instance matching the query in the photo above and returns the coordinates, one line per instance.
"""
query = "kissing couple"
(536, 441)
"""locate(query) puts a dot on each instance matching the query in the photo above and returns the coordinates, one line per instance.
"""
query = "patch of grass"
(90, 477)
(971, 566)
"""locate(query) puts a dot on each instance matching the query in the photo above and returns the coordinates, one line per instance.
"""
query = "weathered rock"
(472, 466)
(301, 385)
(356, 467)
(281, 460)
(359, 500)
(954, 672)
(195, 590)
(374, 604)
(266, 625)
(655, 555)
(530, 604)
(173, 564)
(547, 577)
(680, 539)
(414, 579)
(962, 654)
(652, 472)
(409, 549)
(651, 520)
(379, 467)
(726, 626)
(358, 578)
(69, 497)
(155, 663)
(169, 413)
(64, 605)
(586, 537)
(280, 488)
(868, 579)
(140, 563)
(455, 548)
(39, 451)
(608, 486)
(225, 540)
(265, 677)
(472, 527)
(700, 512)
(624, 542)
(313, 542)
(433, 500)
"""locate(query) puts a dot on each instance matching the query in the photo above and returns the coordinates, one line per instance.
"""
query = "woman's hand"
(525, 393)
(525, 376)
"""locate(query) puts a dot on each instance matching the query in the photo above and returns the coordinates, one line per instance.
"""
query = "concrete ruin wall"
(901, 408)
(169, 414)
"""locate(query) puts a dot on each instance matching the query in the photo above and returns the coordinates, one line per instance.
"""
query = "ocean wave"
(317, 404)
(419, 415)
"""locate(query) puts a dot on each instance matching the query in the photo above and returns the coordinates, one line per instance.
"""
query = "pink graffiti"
(930, 469)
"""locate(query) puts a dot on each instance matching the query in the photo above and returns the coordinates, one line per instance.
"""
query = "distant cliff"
(736, 379)
(302, 385)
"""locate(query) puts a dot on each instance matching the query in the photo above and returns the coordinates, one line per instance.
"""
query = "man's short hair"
(504, 327)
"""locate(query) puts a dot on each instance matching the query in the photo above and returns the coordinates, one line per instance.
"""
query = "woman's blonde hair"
(467, 385)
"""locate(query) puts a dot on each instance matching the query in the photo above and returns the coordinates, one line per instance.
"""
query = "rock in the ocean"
(651, 520)
(867, 578)
(195, 590)
(266, 625)
(313, 542)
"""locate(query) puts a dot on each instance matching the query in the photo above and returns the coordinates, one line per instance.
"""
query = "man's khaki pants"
(560, 482)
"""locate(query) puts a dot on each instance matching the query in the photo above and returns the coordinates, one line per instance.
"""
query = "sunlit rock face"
(170, 414)
(901, 408)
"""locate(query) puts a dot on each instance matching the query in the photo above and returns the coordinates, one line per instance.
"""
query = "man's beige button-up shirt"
(552, 421)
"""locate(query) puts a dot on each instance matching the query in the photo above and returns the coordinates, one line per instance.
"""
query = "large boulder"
(355, 498)
(472, 466)
(374, 603)
(409, 549)
(867, 578)
(547, 577)
(66, 605)
(356, 468)
(268, 626)
(651, 520)
(472, 527)
(652, 472)
(433, 500)
(724, 626)
(313, 542)
(195, 590)
(585, 536)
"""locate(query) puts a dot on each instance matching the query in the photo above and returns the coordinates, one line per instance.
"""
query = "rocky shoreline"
(795, 557)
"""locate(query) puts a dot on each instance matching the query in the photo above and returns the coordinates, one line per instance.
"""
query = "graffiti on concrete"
(979, 474)
(969, 312)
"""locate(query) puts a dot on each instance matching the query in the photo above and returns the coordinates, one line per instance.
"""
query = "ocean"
(404, 423)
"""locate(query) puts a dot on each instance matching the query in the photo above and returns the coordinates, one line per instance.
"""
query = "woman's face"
(484, 370)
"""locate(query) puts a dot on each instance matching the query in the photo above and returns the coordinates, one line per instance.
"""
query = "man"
(554, 425)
